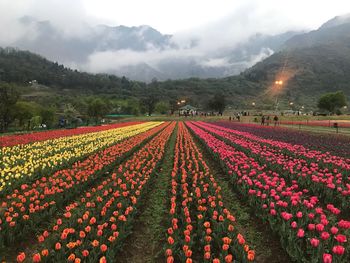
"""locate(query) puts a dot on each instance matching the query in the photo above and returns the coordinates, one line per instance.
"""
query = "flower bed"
(310, 231)
(21, 162)
(93, 227)
(30, 204)
(201, 228)
(15, 139)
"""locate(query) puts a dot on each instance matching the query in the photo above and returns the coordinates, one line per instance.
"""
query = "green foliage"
(8, 98)
(70, 113)
(24, 111)
(97, 108)
(332, 102)
(48, 116)
(162, 107)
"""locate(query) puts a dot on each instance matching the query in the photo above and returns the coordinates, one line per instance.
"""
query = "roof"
(188, 107)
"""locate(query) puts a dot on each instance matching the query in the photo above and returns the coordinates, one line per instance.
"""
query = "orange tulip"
(168, 252)
(103, 260)
(45, 253)
(228, 258)
(251, 255)
(95, 243)
(170, 259)
(71, 257)
(170, 240)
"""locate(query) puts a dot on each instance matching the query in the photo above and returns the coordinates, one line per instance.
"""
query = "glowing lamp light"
(279, 82)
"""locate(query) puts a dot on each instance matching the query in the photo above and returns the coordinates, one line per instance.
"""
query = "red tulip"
(21, 257)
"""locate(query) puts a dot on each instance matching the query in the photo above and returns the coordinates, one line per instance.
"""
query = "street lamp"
(278, 84)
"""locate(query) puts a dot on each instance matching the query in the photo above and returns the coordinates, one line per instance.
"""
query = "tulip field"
(169, 191)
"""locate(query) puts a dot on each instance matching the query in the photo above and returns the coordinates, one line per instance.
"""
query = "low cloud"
(209, 45)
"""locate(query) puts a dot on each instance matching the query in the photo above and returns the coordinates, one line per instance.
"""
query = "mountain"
(309, 64)
(56, 84)
(336, 21)
(132, 50)
(50, 42)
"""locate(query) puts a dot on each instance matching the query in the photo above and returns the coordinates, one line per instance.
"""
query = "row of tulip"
(21, 162)
(298, 150)
(92, 228)
(15, 139)
(31, 204)
(332, 184)
(335, 144)
(201, 228)
(310, 231)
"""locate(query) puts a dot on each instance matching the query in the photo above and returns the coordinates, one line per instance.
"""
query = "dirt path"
(145, 244)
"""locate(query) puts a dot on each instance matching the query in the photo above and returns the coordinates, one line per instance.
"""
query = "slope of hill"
(23, 66)
(310, 64)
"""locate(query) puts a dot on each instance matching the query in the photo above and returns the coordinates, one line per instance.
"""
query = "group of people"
(267, 120)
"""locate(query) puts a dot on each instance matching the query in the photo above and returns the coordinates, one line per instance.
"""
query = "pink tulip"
(327, 258)
(314, 242)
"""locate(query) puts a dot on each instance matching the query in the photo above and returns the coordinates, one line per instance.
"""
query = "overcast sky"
(214, 24)
(172, 16)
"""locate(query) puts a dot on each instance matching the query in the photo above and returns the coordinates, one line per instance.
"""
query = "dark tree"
(8, 98)
(332, 101)
(151, 97)
(217, 103)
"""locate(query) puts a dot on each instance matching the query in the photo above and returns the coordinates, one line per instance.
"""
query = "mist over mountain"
(143, 53)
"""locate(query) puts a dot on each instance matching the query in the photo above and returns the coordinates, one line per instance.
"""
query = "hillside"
(21, 67)
(309, 64)
(55, 80)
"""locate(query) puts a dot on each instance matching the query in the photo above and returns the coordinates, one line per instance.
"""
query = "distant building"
(187, 110)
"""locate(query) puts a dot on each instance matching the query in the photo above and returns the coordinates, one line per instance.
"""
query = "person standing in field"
(263, 120)
(275, 119)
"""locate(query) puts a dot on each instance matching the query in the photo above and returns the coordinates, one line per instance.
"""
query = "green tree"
(97, 108)
(162, 107)
(8, 98)
(23, 111)
(151, 97)
(332, 102)
(48, 116)
(70, 113)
